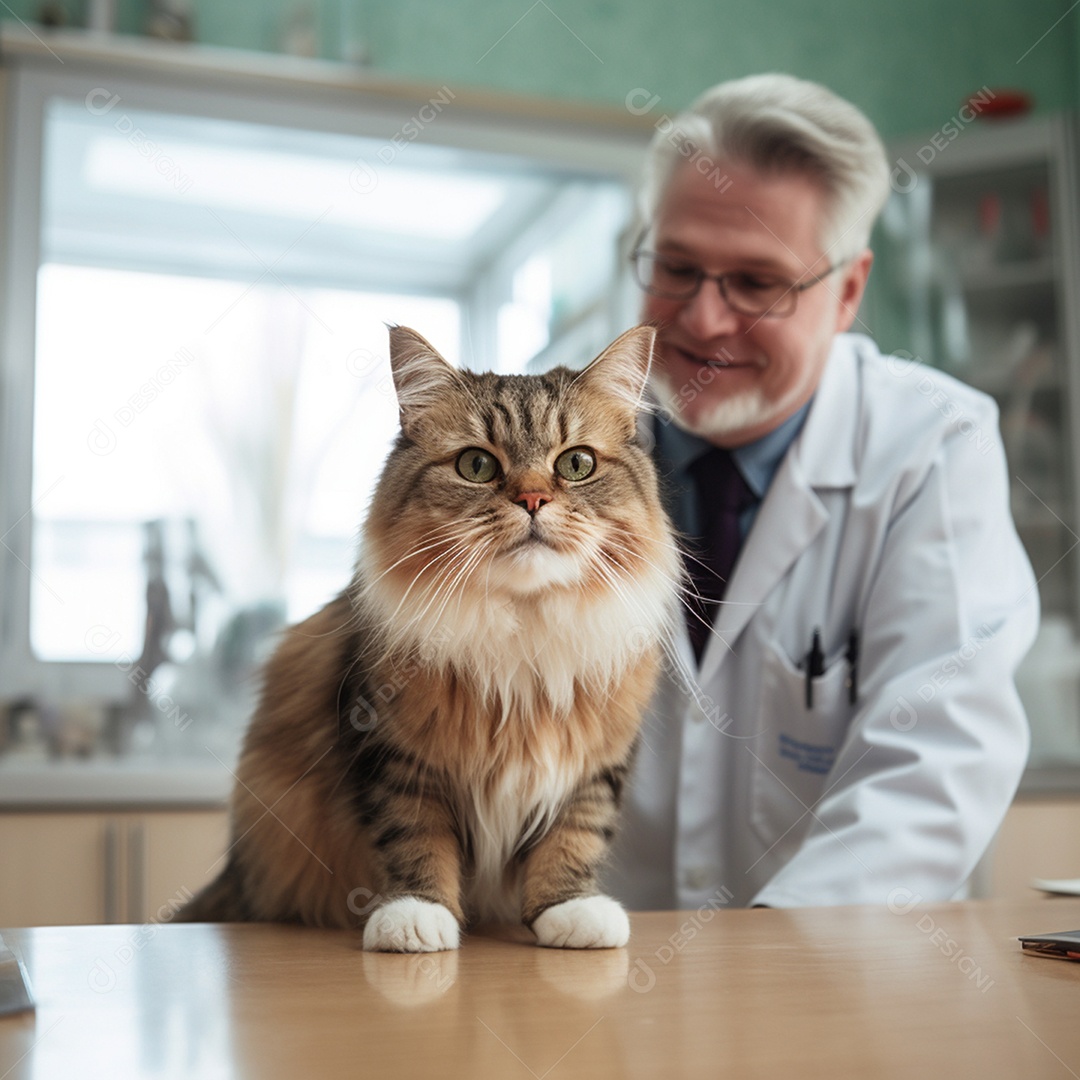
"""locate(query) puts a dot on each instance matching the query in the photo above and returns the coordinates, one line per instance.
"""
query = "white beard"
(749, 408)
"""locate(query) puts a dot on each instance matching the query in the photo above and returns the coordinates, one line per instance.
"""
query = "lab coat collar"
(791, 515)
(825, 447)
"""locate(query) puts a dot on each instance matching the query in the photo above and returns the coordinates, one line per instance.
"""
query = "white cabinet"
(69, 867)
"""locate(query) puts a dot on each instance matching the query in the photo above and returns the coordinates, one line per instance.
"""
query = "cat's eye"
(477, 465)
(577, 463)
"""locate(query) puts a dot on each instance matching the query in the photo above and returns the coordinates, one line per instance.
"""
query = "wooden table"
(937, 990)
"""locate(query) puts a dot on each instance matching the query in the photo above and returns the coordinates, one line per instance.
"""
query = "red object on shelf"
(1040, 213)
(1003, 104)
(990, 213)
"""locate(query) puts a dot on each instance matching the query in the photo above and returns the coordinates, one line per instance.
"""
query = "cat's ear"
(422, 377)
(621, 371)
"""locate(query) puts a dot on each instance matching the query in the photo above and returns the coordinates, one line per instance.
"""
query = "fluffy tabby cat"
(447, 740)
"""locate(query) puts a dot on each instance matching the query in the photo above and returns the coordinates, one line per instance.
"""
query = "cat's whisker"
(400, 619)
(669, 641)
(422, 547)
(670, 581)
(462, 556)
(689, 557)
(459, 549)
(683, 584)
(460, 581)
(675, 584)
(685, 595)
(458, 538)
(436, 593)
(672, 545)
(667, 635)
(617, 578)
(638, 553)
(645, 617)
(432, 538)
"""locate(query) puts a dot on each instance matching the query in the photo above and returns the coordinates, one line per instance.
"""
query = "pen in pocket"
(815, 666)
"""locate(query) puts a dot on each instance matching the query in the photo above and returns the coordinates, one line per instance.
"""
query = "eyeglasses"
(760, 295)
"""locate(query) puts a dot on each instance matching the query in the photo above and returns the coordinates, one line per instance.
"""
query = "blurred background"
(210, 211)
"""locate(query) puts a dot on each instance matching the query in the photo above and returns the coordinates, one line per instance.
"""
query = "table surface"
(918, 991)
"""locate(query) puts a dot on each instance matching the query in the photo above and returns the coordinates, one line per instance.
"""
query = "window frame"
(217, 84)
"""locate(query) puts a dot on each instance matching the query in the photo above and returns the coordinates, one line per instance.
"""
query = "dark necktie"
(722, 496)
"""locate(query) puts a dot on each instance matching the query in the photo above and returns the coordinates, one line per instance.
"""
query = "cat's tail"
(220, 901)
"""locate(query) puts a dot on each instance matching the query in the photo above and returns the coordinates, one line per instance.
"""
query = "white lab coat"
(889, 514)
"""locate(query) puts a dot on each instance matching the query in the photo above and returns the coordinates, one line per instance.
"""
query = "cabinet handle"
(112, 871)
(136, 872)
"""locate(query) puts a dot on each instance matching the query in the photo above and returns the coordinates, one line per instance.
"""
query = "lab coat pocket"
(796, 746)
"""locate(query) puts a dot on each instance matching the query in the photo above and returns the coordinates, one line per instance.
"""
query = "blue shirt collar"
(757, 460)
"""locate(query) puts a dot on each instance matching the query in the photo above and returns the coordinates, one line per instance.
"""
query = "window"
(198, 394)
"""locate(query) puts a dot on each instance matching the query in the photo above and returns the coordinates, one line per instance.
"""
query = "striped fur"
(456, 726)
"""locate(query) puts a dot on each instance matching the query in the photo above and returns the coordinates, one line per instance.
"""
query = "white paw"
(589, 922)
(411, 925)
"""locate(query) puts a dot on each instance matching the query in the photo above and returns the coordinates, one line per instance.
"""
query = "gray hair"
(779, 124)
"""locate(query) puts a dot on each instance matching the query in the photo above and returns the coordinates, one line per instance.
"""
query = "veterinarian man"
(849, 731)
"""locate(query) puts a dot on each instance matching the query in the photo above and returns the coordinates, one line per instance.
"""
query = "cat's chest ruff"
(531, 655)
(515, 807)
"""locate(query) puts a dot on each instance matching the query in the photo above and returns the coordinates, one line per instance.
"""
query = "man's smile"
(717, 358)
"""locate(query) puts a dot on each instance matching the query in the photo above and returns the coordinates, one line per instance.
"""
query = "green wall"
(908, 65)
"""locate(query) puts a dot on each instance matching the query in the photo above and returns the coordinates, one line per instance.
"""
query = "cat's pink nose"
(532, 500)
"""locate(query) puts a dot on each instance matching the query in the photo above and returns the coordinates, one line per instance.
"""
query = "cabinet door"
(70, 868)
(172, 854)
(58, 869)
